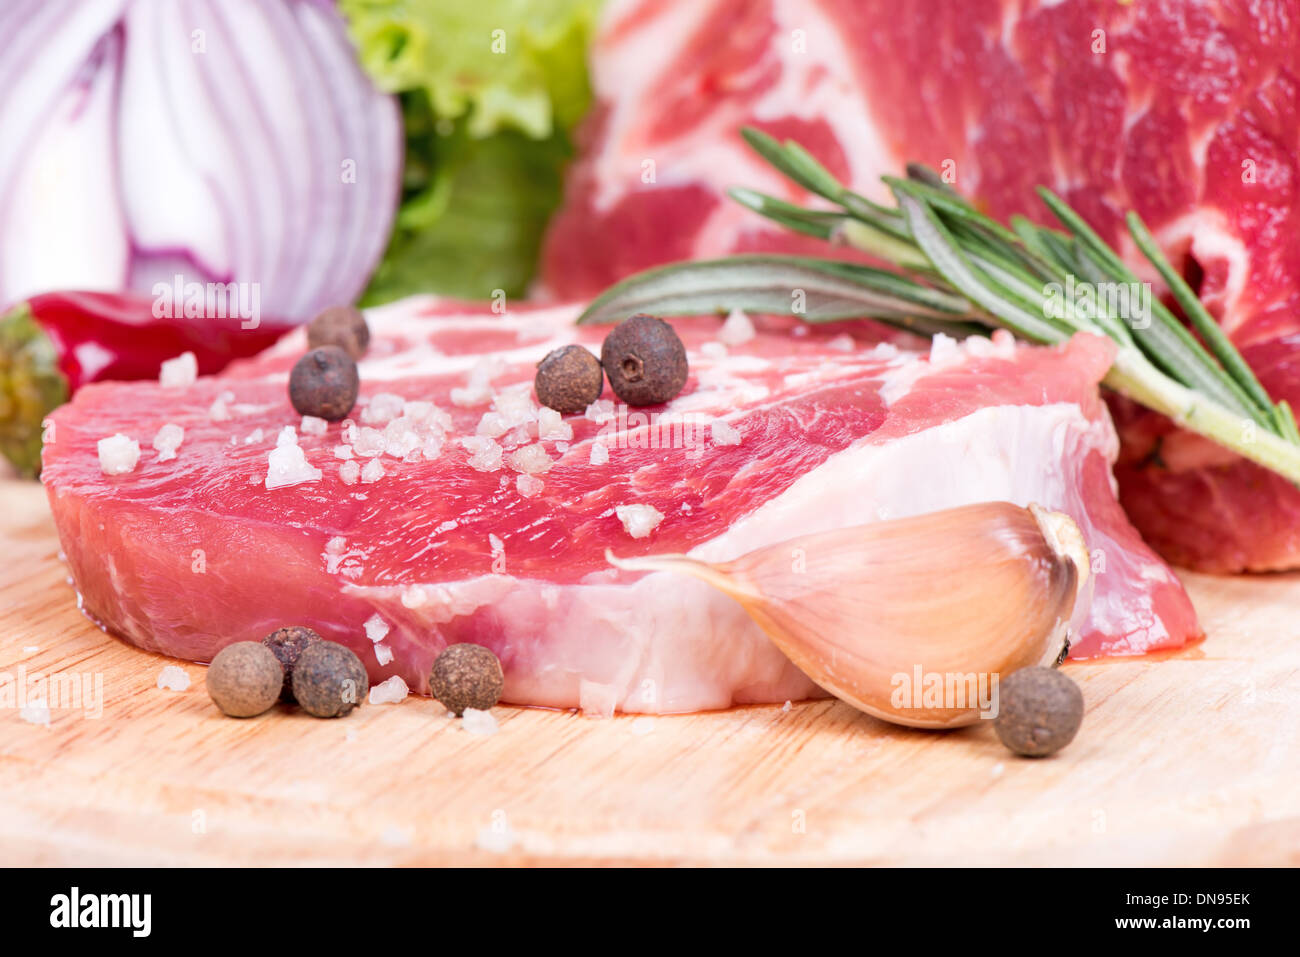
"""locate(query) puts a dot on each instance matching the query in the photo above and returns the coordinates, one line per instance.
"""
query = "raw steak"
(1185, 110)
(799, 430)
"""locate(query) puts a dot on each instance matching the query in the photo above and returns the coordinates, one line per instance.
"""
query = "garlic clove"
(960, 597)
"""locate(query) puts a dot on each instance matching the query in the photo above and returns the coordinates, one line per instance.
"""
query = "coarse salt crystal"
(561, 447)
(343, 451)
(117, 454)
(219, 411)
(944, 348)
(515, 406)
(600, 411)
(382, 408)
(478, 389)
(787, 706)
(389, 691)
(350, 472)
(179, 372)
(552, 427)
(255, 436)
(172, 678)
(493, 425)
(723, 433)
(737, 330)
(311, 425)
(368, 442)
(599, 453)
(842, 343)
(376, 628)
(288, 465)
(529, 486)
(373, 471)
(639, 520)
(531, 459)
(288, 436)
(383, 654)
(484, 454)
(713, 350)
(36, 712)
(168, 440)
(400, 438)
(431, 448)
(478, 722)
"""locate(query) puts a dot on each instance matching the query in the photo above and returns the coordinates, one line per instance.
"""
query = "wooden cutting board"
(1183, 759)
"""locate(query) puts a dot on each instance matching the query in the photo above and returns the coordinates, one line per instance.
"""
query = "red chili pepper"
(56, 342)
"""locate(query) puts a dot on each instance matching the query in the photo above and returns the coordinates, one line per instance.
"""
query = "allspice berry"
(324, 383)
(329, 680)
(342, 326)
(1039, 711)
(569, 379)
(466, 676)
(287, 644)
(645, 361)
(244, 679)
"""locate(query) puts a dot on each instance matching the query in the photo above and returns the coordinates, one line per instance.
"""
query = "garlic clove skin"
(968, 594)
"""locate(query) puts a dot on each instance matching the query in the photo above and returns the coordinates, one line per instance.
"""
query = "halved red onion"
(219, 140)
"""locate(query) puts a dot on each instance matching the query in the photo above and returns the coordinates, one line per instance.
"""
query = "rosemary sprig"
(960, 272)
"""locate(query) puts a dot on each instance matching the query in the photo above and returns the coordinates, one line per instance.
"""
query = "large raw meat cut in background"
(800, 429)
(1183, 110)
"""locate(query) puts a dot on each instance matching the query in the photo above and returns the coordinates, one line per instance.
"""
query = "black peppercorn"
(1039, 711)
(329, 680)
(644, 360)
(244, 679)
(569, 379)
(287, 644)
(466, 676)
(324, 383)
(342, 326)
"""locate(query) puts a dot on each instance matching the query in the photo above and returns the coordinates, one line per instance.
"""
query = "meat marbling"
(185, 555)
(1187, 111)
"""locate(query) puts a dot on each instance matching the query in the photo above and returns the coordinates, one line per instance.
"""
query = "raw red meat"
(801, 429)
(1185, 110)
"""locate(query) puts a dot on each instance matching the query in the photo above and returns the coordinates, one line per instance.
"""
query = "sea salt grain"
(368, 442)
(288, 436)
(376, 628)
(172, 678)
(529, 486)
(599, 454)
(287, 465)
(343, 451)
(484, 454)
(311, 425)
(600, 411)
(531, 459)
(842, 343)
(219, 411)
(36, 712)
(373, 471)
(479, 722)
(478, 389)
(724, 434)
(713, 350)
(118, 454)
(552, 427)
(255, 436)
(167, 441)
(639, 520)
(179, 372)
(383, 654)
(382, 408)
(350, 472)
(737, 330)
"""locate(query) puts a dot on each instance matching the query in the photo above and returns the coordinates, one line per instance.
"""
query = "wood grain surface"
(1188, 758)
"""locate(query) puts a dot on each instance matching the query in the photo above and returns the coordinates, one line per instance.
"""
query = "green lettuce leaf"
(491, 91)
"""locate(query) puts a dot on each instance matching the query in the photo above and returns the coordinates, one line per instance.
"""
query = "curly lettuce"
(491, 91)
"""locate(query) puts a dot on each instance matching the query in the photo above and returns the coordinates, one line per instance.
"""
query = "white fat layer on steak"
(664, 638)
